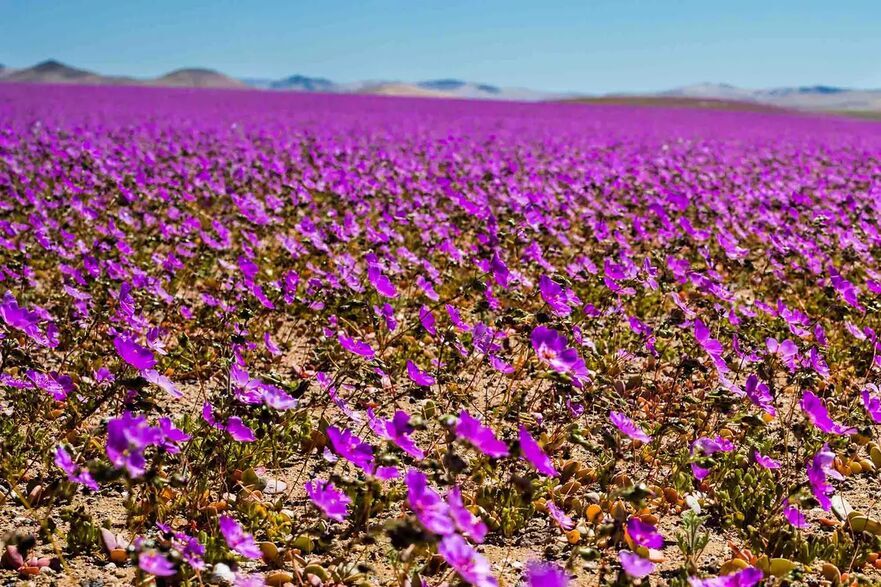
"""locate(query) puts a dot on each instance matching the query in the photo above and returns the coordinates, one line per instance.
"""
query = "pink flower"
(816, 412)
(534, 454)
(237, 539)
(626, 426)
(481, 437)
(134, 354)
(634, 565)
(333, 502)
(418, 377)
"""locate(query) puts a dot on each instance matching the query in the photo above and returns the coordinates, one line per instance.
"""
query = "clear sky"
(586, 46)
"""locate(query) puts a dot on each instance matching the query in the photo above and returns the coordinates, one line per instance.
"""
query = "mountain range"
(816, 98)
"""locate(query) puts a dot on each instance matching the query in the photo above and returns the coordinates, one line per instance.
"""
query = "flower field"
(268, 338)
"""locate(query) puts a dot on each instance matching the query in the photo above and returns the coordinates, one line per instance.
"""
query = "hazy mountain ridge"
(816, 97)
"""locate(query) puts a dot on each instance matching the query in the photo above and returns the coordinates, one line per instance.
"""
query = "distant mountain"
(55, 72)
(703, 95)
(196, 77)
(305, 84)
(819, 97)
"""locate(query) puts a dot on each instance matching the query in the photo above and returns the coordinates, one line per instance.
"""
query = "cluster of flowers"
(470, 313)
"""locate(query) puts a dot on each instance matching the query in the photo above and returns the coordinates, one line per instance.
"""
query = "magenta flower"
(356, 347)
(161, 381)
(539, 574)
(644, 534)
(760, 394)
(559, 517)
(550, 346)
(426, 318)
(534, 455)
(872, 403)
(766, 462)
(466, 523)
(134, 354)
(419, 377)
(239, 431)
(792, 514)
(634, 565)
(479, 436)
(819, 469)
(330, 500)
(626, 426)
(381, 283)
(428, 506)
(466, 561)
(748, 577)
(155, 563)
(816, 412)
(74, 473)
(127, 438)
(57, 386)
(396, 430)
(710, 345)
(786, 350)
(237, 539)
(351, 448)
(554, 296)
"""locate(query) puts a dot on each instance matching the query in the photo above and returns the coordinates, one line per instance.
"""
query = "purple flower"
(239, 431)
(134, 354)
(554, 295)
(710, 345)
(466, 561)
(539, 574)
(481, 437)
(127, 438)
(155, 563)
(644, 534)
(795, 518)
(534, 454)
(382, 283)
(396, 430)
(351, 448)
(74, 473)
(500, 272)
(816, 412)
(55, 385)
(466, 522)
(419, 377)
(872, 403)
(426, 318)
(161, 381)
(550, 346)
(706, 447)
(237, 539)
(634, 565)
(818, 470)
(356, 347)
(766, 462)
(559, 517)
(626, 426)
(430, 509)
(760, 394)
(330, 500)
(786, 350)
(748, 577)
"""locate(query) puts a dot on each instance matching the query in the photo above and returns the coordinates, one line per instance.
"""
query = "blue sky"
(586, 46)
